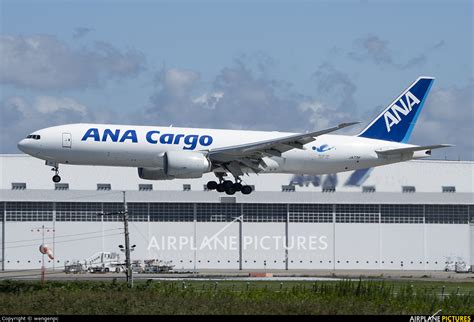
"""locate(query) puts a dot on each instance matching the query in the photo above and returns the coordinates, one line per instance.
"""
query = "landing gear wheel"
(212, 185)
(227, 184)
(230, 191)
(246, 190)
(220, 188)
(237, 186)
(56, 178)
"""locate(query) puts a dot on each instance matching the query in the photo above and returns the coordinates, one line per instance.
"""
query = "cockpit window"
(34, 136)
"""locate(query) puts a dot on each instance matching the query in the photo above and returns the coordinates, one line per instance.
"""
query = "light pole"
(128, 263)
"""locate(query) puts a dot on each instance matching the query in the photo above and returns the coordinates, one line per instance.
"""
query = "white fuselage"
(141, 146)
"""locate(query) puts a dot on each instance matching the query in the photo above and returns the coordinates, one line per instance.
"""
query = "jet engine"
(178, 165)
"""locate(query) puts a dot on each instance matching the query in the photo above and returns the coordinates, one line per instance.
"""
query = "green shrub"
(151, 297)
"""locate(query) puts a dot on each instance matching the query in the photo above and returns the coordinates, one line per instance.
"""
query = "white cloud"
(245, 96)
(44, 62)
(447, 118)
(335, 87)
(50, 104)
(177, 82)
(235, 99)
(322, 115)
(208, 100)
(17, 103)
(373, 48)
(20, 116)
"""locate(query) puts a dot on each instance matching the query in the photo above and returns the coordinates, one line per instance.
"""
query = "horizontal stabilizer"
(412, 149)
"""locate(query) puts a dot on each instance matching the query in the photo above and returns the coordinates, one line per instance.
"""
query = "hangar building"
(416, 215)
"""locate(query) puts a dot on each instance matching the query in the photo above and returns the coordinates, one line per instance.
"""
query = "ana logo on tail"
(405, 105)
(395, 123)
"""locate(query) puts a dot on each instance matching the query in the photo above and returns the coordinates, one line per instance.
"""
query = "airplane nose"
(21, 145)
(25, 146)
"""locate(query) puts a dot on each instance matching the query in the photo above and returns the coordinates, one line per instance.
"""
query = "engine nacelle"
(184, 164)
(153, 174)
(178, 164)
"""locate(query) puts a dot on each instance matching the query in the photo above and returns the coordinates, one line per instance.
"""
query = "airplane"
(164, 153)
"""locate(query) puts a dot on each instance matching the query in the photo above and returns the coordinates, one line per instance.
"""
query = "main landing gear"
(229, 187)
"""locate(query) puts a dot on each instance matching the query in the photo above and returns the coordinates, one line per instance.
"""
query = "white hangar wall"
(275, 243)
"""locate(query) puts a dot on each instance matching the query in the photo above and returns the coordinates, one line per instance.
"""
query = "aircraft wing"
(250, 155)
(412, 149)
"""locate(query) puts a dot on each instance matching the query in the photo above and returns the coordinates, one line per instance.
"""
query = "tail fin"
(396, 122)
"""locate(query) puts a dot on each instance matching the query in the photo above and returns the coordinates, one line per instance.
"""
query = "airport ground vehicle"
(100, 262)
(458, 266)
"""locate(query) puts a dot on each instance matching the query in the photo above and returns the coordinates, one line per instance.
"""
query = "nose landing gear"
(56, 177)
(229, 187)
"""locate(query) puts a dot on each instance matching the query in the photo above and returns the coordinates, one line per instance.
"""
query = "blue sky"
(270, 65)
